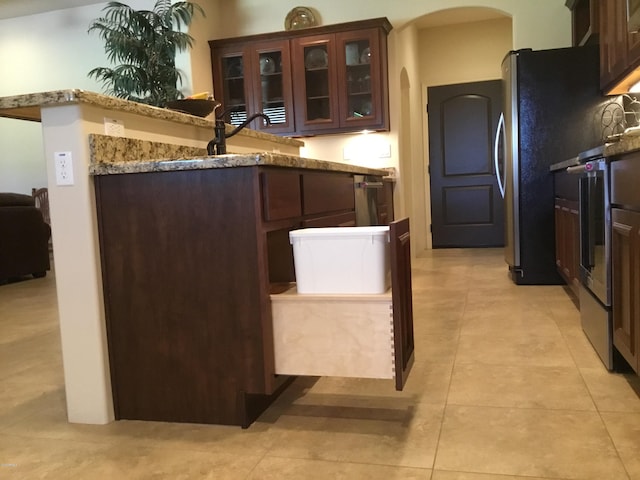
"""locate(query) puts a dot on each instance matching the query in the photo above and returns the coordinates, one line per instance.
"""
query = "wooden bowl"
(197, 107)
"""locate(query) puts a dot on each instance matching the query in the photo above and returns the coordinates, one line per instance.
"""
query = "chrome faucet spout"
(218, 146)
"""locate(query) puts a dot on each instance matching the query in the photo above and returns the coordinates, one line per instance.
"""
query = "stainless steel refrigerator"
(552, 111)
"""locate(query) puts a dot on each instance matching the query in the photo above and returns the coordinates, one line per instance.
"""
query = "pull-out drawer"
(368, 336)
(333, 335)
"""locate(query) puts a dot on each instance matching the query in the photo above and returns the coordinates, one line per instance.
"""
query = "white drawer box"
(333, 335)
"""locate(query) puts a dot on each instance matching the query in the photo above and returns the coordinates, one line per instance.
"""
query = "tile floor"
(505, 387)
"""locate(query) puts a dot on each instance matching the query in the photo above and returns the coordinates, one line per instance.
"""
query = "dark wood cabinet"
(567, 223)
(626, 284)
(584, 21)
(189, 261)
(625, 256)
(315, 69)
(567, 228)
(619, 50)
(346, 94)
(328, 79)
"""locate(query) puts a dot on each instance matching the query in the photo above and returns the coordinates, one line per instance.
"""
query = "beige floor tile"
(581, 350)
(428, 383)
(613, 392)
(565, 313)
(51, 424)
(624, 429)
(513, 350)
(440, 348)
(501, 321)
(544, 443)
(495, 362)
(437, 321)
(19, 401)
(444, 475)
(404, 442)
(271, 468)
(519, 386)
(71, 460)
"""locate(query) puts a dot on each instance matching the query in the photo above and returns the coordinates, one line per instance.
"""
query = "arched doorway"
(451, 46)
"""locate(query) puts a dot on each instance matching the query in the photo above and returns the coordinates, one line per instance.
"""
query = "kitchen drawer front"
(327, 192)
(281, 197)
(325, 335)
(625, 178)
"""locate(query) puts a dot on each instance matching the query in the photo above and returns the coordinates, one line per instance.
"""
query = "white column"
(77, 270)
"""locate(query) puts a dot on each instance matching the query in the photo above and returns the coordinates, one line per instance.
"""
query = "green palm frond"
(143, 45)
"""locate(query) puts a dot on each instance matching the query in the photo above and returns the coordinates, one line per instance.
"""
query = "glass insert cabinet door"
(273, 95)
(359, 60)
(236, 100)
(256, 79)
(358, 64)
(316, 79)
(316, 102)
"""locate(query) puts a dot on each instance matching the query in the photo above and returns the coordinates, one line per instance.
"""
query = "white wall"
(537, 23)
(39, 58)
(43, 52)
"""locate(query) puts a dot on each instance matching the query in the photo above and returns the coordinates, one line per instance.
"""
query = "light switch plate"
(64, 168)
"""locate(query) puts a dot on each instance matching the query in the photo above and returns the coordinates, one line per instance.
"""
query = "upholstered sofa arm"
(24, 239)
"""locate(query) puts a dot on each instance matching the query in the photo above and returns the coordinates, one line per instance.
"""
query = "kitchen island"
(151, 227)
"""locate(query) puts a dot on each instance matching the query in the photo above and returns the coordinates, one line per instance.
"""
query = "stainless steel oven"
(595, 234)
(595, 254)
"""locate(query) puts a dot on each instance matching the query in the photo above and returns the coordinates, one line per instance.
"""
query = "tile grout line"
(446, 400)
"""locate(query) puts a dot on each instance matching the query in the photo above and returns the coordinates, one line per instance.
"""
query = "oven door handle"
(577, 169)
(591, 221)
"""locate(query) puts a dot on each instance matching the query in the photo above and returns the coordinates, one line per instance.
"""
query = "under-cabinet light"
(635, 88)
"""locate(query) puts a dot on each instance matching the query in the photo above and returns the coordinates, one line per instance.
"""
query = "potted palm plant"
(143, 45)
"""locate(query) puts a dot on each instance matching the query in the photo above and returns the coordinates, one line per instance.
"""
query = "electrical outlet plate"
(113, 127)
(63, 167)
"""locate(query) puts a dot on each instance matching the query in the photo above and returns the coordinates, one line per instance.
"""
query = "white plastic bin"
(341, 260)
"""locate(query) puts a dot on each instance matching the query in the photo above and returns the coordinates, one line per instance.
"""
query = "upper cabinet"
(329, 79)
(584, 21)
(255, 77)
(619, 49)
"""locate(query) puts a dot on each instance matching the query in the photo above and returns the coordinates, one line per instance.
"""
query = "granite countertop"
(627, 144)
(623, 145)
(27, 107)
(227, 161)
(117, 155)
(571, 162)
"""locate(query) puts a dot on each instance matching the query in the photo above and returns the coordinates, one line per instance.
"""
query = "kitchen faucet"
(218, 146)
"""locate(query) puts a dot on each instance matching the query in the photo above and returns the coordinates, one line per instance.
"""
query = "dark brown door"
(466, 205)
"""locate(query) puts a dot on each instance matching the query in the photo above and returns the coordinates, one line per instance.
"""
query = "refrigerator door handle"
(500, 132)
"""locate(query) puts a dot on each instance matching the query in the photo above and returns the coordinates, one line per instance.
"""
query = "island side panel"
(182, 296)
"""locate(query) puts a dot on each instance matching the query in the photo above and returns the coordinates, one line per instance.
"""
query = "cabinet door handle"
(369, 185)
